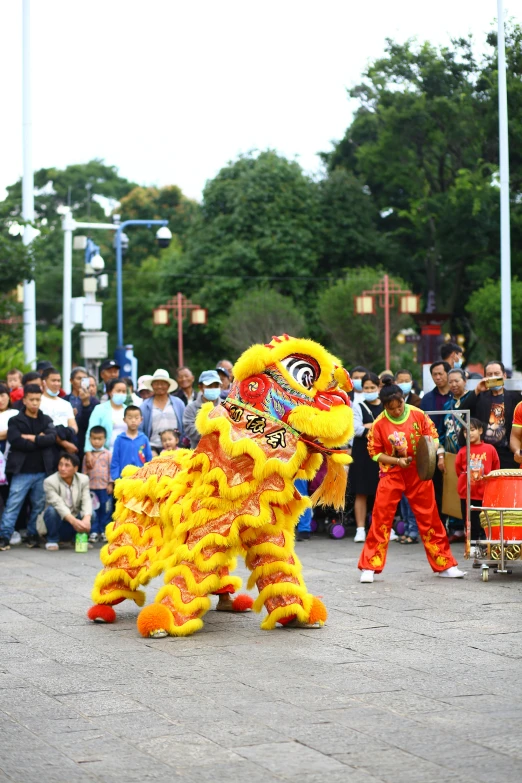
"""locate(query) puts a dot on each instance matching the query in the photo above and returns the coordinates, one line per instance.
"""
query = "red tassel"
(101, 613)
(242, 603)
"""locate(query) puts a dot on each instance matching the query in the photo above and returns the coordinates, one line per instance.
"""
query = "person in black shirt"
(495, 407)
(31, 436)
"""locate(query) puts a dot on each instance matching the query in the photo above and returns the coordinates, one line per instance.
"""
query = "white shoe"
(51, 547)
(453, 573)
(15, 539)
(366, 576)
(360, 535)
(393, 535)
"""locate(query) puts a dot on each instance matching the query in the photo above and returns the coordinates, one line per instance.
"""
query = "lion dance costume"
(189, 514)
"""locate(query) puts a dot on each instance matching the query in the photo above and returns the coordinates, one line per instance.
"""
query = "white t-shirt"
(59, 410)
(118, 424)
(5, 416)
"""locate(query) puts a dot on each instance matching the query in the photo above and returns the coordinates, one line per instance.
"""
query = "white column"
(68, 226)
(28, 188)
(505, 240)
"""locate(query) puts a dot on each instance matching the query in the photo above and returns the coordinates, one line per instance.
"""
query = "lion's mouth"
(328, 399)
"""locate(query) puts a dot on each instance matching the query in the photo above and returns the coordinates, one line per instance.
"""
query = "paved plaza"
(414, 678)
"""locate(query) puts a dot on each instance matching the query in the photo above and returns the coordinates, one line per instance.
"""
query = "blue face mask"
(118, 398)
(405, 387)
(371, 396)
(457, 365)
(211, 394)
(52, 393)
(357, 384)
(496, 388)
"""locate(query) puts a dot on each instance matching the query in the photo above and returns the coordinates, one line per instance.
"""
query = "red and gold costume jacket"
(399, 437)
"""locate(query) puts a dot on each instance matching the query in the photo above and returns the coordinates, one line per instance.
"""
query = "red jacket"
(483, 459)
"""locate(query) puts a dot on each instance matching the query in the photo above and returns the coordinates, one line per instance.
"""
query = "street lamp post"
(163, 236)
(69, 225)
(180, 305)
(386, 290)
(28, 188)
(505, 239)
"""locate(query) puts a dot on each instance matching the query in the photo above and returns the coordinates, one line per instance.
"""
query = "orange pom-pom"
(153, 618)
(101, 613)
(318, 613)
(242, 603)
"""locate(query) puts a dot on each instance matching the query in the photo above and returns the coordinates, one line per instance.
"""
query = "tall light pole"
(505, 239)
(28, 187)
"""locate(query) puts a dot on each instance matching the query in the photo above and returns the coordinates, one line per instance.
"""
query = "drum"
(503, 489)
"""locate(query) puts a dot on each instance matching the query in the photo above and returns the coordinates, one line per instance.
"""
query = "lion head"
(301, 383)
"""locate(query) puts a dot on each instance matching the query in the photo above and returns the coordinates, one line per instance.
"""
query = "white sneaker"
(360, 535)
(366, 576)
(453, 573)
(94, 538)
(15, 539)
(51, 547)
(393, 535)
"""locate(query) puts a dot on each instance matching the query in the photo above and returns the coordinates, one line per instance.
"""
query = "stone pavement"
(413, 679)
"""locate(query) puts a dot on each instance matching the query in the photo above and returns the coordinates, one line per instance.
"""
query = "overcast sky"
(169, 91)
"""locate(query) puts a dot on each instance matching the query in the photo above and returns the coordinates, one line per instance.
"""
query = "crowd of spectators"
(60, 454)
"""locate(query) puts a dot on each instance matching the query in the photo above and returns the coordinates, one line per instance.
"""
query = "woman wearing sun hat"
(162, 411)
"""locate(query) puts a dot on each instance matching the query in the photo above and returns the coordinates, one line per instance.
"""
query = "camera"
(163, 236)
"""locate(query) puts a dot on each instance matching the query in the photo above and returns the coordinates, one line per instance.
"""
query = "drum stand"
(503, 549)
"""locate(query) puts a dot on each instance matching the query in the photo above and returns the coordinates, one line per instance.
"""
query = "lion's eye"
(302, 369)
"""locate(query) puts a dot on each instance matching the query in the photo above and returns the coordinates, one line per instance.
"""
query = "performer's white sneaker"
(360, 535)
(453, 573)
(366, 576)
(393, 535)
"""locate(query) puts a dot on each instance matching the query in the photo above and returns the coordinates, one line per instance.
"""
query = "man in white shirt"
(60, 411)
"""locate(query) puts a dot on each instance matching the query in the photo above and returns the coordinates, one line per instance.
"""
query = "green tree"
(485, 314)
(258, 316)
(359, 339)
(424, 141)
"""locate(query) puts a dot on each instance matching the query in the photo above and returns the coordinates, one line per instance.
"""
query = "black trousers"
(477, 531)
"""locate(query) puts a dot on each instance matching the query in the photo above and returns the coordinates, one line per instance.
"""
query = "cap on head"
(108, 363)
(223, 370)
(142, 382)
(209, 376)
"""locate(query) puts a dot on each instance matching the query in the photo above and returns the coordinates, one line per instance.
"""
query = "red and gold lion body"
(189, 514)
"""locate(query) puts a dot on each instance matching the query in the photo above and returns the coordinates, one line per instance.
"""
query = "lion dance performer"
(189, 514)
(392, 441)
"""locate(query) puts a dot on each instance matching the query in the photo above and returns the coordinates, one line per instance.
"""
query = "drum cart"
(503, 543)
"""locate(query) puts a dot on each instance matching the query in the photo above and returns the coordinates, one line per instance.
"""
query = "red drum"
(504, 490)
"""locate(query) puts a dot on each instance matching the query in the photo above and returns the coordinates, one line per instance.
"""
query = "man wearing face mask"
(357, 374)
(404, 380)
(496, 408)
(209, 391)
(61, 413)
(452, 354)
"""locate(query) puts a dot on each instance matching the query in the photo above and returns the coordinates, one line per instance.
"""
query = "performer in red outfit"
(392, 441)
(515, 443)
